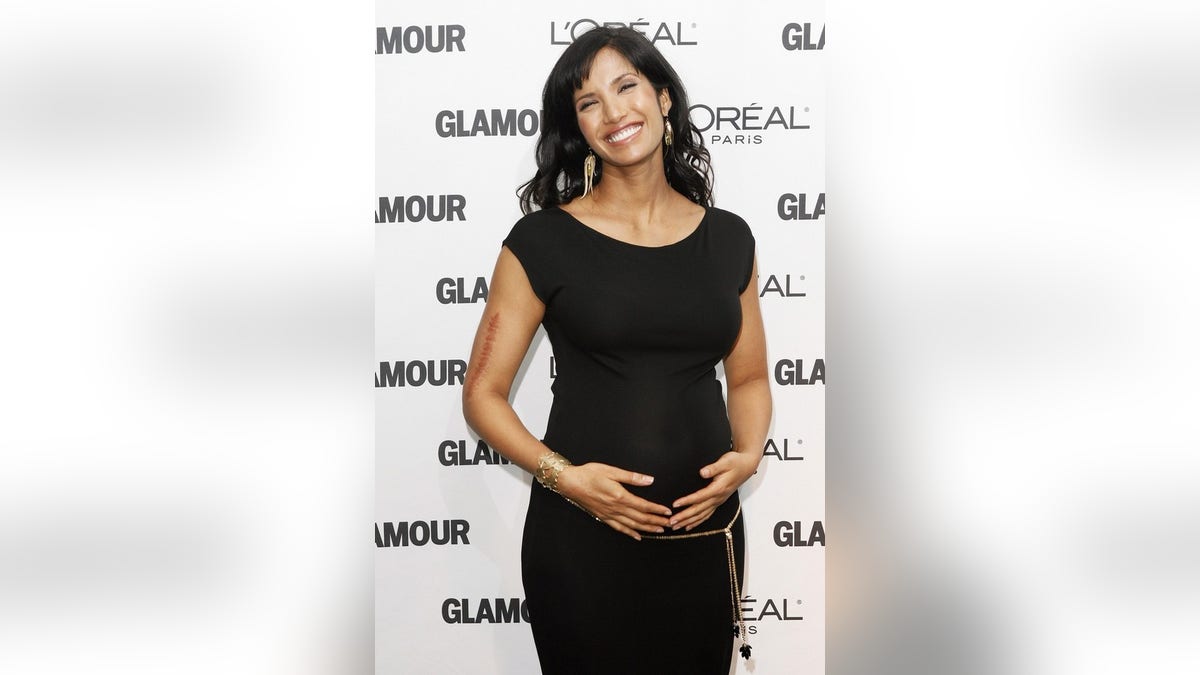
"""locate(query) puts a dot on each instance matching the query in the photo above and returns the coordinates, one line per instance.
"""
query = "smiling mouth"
(624, 133)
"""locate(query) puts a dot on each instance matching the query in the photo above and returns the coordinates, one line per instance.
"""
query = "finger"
(639, 520)
(622, 528)
(690, 519)
(707, 492)
(713, 469)
(697, 522)
(683, 518)
(699, 514)
(632, 501)
(630, 477)
(646, 519)
(725, 462)
(691, 513)
(634, 524)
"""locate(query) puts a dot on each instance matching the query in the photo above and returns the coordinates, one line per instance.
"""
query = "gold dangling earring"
(589, 171)
(669, 136)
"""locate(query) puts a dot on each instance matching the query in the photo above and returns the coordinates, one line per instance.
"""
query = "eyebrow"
(614, 81)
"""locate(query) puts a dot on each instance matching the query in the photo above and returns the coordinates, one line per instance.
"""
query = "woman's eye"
(585, 106)
(627, 85)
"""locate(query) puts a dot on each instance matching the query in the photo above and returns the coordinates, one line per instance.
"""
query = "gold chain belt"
(739, 626)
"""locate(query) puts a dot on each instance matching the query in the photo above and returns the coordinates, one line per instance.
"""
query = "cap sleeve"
(528, 242)
(747, 246)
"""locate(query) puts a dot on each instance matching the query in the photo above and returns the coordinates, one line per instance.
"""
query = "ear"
(664, 101)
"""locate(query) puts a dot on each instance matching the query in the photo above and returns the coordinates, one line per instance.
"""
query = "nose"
(613, 112)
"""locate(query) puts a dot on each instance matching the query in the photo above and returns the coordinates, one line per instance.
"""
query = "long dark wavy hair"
(561, 148)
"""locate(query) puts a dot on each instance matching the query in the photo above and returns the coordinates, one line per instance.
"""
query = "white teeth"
(624, 133)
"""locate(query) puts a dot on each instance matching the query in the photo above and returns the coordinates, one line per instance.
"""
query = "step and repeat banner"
(458, 92)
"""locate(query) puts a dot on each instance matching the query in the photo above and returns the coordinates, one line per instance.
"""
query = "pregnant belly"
(676, 471)
(670, 440)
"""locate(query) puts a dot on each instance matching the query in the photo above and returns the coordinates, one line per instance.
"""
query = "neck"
(635, 192)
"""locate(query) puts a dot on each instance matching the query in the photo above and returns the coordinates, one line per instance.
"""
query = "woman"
(643, 287)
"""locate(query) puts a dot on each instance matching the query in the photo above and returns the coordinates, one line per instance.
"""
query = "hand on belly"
(724, 476)
(600, 490)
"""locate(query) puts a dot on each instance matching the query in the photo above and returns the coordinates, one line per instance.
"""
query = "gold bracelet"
(550, 465)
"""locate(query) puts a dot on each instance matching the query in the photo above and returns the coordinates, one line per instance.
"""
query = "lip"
(628, 138)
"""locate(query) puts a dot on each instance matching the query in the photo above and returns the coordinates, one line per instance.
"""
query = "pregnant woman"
(633, 543)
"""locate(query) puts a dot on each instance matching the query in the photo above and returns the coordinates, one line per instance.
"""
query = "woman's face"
(619, 113)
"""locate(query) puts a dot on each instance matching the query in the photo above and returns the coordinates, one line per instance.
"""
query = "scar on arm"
(485, 353)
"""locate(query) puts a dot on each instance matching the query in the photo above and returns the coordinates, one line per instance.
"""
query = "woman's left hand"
(727, 474)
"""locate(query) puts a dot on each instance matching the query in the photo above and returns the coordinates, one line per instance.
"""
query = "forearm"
(493, 418)
(749, 405)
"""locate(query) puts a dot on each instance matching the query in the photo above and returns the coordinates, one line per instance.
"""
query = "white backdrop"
(457, 98)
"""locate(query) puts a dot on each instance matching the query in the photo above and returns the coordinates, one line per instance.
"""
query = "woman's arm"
(749, 404)
(510, 319)
(505, 332)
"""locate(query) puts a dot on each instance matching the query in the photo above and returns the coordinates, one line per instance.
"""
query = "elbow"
(470, 405)
(475, 399)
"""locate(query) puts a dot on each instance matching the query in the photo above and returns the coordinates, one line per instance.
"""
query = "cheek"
(585, 125)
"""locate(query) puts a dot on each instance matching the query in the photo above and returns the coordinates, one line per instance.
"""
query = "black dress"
(636, 333)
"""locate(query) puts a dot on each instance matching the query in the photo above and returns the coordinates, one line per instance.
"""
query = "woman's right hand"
(600, 489)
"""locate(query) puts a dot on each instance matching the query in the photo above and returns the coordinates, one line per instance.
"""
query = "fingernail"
(660, 530)
(647, 479)
(672, 522)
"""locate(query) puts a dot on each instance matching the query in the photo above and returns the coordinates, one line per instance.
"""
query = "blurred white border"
(185, 267)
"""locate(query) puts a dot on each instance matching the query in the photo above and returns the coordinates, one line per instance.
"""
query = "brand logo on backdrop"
(415, 208)
(781, 450)
(452, 532)
(792, 533)
(782, 287)
(663, 32)
(802, 36)
(432, 372)
(413, 39)
(795, 206)
(485, 610)
(455, 453)
(731, 125)
(488, 122)
(788, 371)
(769, 609)
(458, 291)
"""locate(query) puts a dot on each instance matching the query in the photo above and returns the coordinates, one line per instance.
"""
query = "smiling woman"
(569, 109)
(632, 560)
